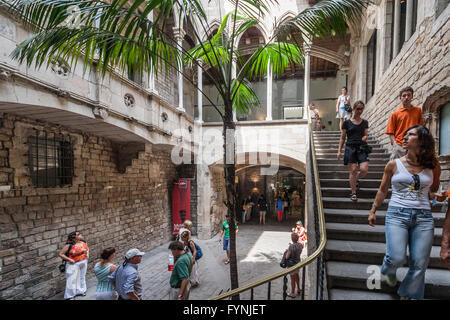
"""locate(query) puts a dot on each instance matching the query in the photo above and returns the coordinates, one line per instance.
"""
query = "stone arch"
(213, 25)
(260, 28)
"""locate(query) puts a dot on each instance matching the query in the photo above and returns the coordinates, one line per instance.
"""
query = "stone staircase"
(353, 246)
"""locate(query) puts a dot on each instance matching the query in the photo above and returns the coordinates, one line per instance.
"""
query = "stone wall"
(123, 210)
(422, 64)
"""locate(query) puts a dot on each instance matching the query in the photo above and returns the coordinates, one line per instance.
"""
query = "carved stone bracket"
(100, 113)
(62, 93)
(5, 74)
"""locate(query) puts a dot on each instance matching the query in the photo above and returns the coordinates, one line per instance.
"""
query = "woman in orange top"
(76, 253)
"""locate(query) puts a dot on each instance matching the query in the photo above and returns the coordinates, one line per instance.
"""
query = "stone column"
(151, 78)
(397, 12)
(409, 19)
(307, 78)
(269, 92)
(179, 36)
(199, 93)
(362, 72)
(233, 76)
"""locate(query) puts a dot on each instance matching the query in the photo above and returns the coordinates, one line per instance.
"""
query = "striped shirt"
(102, 273)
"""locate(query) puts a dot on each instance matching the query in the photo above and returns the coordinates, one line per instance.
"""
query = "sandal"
(291, 295)
(353, 197)
(227, 262)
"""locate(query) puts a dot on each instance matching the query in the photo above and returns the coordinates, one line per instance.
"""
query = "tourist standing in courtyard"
(76, 253)
(301, 232)
(279, 206)
(189, 246)
(105, 289)
(126, 278)
(180, 278)
(409, 221)
(262, 205)
(401, 119)
(355, 133)
(246, 207)
(225, 233)
(294, 251)
(342, 101)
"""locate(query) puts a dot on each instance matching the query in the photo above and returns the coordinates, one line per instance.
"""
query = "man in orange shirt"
(401, 119)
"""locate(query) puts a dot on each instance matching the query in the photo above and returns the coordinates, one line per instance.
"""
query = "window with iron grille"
(50, 160)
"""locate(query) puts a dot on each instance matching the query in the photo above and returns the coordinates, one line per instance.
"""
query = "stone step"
(337, 167)
(347, 275)
(370, 253)
(335, 145)
(341, 162)
(363, 183)
(332, 155)
(331, 141)
(345, 192)
(320, 149)
(343, 174)
(364, 232)
(350, 294)
(361, 204)
(360, 216)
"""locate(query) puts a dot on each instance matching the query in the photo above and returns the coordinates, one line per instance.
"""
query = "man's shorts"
(352, 154)
(226, 243)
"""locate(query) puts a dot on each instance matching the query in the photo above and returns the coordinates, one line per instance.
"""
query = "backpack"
(199, 253)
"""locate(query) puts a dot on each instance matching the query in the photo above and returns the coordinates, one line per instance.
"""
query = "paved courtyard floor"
(259, 250)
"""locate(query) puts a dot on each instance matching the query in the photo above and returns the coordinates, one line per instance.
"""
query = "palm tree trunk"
(230, 187)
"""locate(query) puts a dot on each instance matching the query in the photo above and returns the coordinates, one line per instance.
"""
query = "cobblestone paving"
(259, 250)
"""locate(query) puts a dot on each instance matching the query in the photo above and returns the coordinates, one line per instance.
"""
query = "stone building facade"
(109, 208)
(422, 61)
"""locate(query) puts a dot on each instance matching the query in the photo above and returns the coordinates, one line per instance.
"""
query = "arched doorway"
(287, 183)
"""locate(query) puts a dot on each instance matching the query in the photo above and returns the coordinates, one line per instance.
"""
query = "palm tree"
(117, 33)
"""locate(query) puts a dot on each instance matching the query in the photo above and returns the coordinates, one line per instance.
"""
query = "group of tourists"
(413, 173)
(123, 282)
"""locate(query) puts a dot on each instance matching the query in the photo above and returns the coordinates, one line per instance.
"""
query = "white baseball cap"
(133, 252)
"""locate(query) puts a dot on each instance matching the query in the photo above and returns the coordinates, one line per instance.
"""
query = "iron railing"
(321, 240)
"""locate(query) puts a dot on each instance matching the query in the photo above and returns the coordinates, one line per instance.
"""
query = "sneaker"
(391, 280)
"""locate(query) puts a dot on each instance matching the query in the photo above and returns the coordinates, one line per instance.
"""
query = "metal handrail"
(323, 236)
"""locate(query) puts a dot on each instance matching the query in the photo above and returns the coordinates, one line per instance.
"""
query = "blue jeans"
(413, 228)
(243, 215)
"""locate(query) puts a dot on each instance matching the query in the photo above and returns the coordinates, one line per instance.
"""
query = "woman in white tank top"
(414, 179)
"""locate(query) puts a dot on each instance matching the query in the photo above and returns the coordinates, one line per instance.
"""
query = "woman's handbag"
(287, 263)
(365, 148)
(348, 108)
(62, 266)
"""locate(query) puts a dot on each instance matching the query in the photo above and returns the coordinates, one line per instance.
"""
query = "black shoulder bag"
(62, 266)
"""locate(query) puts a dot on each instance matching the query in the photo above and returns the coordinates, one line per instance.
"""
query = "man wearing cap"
(126, 278)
